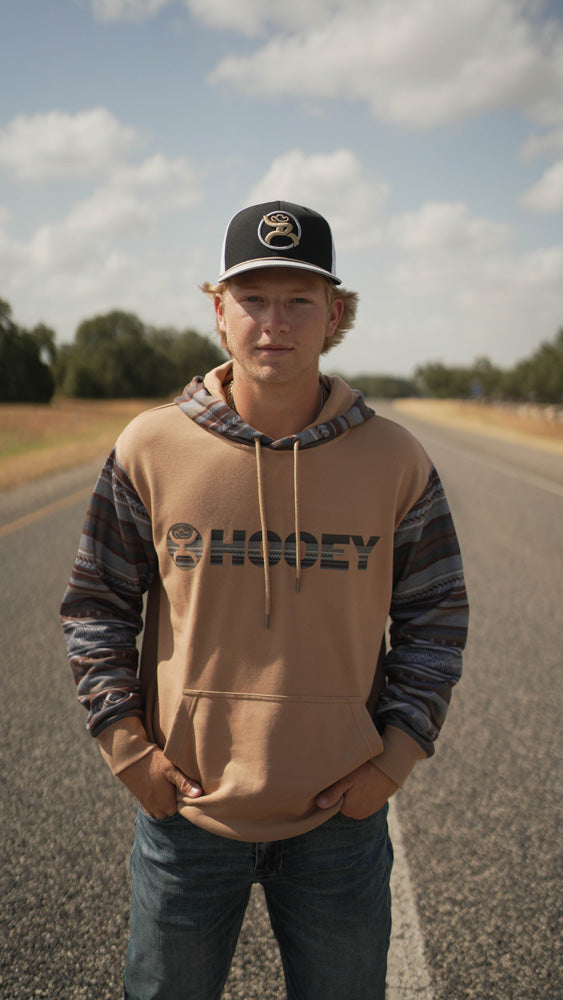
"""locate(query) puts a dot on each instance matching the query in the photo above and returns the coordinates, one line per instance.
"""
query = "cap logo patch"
(279, 230)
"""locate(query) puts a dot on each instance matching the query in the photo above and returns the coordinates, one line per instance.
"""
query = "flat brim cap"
(278, 234)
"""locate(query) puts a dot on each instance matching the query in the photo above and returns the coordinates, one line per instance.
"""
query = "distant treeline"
(538, 378)
(116, 355)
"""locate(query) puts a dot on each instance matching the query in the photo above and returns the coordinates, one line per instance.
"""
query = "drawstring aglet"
(267, 621)
(297, 584)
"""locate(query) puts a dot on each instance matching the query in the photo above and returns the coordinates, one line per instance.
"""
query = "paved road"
(480, 823)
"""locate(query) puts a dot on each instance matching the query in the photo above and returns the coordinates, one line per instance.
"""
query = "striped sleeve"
(429, 616)
(101, 612)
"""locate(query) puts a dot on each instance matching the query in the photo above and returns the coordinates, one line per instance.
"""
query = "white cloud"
(253, 17)
(64, 274)
(546, 195)
(75, 266)
(131, 204)
(110, 213)
(446, 255)
(457, 287)
(135, 198)
(172, 183)
(337, 185)
(448, 229)
(421, 64)
(548, 143)
(56, 144)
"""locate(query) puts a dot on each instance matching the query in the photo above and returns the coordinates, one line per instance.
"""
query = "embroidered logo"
(185, 545)
(279, 231)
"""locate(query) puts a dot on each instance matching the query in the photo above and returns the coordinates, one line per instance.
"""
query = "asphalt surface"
(480, 823)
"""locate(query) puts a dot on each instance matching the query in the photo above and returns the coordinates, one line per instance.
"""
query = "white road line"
(407, 973)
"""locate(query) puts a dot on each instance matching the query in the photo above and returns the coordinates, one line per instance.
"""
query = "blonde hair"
(348, 298)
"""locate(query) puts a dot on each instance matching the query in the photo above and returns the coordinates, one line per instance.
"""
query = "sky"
(428, 132)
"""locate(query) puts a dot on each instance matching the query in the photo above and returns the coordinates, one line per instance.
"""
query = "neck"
(276, 409)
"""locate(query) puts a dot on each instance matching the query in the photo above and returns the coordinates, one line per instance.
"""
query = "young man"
(277, 523)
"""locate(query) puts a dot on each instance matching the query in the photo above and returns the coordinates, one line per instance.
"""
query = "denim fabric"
(327, 894)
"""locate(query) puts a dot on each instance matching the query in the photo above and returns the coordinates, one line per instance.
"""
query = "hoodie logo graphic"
(279, 231)
(330, 551)
(185, 545)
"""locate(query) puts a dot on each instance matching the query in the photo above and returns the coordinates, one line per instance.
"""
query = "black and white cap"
(278, 234)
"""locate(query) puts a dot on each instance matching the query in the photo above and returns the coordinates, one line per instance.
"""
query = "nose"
(275, 319)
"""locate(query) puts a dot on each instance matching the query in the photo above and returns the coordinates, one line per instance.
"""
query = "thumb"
(331, 795)
(187, 786)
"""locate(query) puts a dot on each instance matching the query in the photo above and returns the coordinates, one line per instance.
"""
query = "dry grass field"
(37, 440)
(538, 427)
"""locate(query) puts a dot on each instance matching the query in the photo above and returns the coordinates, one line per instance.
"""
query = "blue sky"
(429, 132)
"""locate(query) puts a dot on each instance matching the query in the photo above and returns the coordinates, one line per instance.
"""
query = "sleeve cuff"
(124, 743)
(399, 755)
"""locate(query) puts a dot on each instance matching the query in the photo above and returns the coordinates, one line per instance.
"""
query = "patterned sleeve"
(429, 615)
(102, 607)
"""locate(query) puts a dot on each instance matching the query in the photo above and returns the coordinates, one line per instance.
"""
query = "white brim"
(261, 262)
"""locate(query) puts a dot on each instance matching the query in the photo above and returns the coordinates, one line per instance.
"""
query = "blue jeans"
(327, 894)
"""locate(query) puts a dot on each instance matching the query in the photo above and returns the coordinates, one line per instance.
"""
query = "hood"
(203, 401)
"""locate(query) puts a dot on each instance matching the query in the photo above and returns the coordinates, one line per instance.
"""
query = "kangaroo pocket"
(266, 758)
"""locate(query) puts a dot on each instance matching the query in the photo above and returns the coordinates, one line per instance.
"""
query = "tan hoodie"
(266, 717)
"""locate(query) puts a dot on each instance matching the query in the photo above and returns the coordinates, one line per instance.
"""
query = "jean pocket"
(160, 820)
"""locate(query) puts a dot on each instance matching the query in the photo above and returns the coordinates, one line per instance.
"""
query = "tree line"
(538, 378)
(113, 356)
(116, 355)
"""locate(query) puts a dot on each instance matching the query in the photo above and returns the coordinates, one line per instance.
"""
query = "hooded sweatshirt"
(272, 569)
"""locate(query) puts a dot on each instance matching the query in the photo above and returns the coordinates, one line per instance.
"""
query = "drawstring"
(264, 527)
(296, 514)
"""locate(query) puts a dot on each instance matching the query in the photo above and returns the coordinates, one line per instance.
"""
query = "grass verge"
(36, 440)
(534, 426)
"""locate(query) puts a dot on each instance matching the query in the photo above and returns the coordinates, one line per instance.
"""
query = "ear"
(219, 313)
(335, 315)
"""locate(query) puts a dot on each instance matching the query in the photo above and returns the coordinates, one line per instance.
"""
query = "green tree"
(45, 339)
(485, 379)
(435, 379)
(538, 378)
(117, 356)
(192, 354)
(24, 376)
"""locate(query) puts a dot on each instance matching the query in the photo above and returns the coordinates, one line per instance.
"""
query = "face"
(275, 322)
